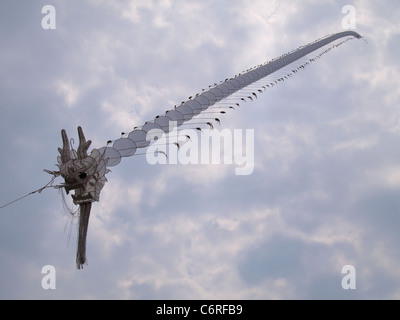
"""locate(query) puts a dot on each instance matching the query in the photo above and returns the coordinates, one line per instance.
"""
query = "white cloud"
(69, 91)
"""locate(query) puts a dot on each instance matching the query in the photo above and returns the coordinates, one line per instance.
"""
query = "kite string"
(48, 185)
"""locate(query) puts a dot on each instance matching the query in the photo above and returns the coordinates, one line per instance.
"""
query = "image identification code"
(212, 309)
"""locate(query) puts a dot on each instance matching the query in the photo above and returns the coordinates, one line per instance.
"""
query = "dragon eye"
(83, 175)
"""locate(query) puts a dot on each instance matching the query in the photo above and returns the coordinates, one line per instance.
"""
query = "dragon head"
(83, 173)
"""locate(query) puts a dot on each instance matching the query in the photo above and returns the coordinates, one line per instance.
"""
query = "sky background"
(324, 192)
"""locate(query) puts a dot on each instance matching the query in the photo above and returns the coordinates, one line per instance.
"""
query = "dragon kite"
(84, 173)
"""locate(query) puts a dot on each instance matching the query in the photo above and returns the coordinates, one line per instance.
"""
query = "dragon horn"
(83, 144)
(65, 152)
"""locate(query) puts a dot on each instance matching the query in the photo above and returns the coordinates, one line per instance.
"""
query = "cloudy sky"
(324, 192)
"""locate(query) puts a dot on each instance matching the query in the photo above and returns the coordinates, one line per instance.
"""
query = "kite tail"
(82, 233)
